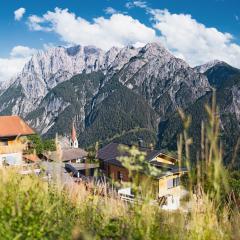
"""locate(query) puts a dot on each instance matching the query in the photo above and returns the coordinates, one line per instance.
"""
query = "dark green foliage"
(36, 143)
(49, 145)
(120, 112)
(74, 92)
(133, 136)
(122, 115)
(234, 181)
(35, 114)
(221, 74)
(39, 145)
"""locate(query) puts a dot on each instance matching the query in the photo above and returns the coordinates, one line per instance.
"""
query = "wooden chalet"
(168, 181)
(13, 142)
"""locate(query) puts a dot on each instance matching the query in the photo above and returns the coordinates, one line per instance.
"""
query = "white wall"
(173, 203)
(11, 158)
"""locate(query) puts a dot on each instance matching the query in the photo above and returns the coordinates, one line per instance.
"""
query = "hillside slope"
(228, 101)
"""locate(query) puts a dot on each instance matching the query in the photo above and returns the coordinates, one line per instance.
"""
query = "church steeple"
(74, 141)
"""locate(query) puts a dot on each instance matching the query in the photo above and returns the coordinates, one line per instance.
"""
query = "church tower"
(74, 141)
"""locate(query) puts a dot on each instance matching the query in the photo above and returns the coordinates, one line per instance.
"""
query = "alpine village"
(18, 139)
(123, 125)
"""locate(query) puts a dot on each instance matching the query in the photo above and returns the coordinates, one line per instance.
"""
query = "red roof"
(11, 126)
(74, 134)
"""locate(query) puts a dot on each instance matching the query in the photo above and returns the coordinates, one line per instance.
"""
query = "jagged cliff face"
(67, 101)
(166, 82)
(163, 80)
(47, 69)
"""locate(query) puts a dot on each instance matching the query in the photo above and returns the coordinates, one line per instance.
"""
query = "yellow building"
(168, 180)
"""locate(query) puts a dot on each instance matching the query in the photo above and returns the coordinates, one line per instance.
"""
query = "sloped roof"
(111, 152)
(11, 126)
(67, 154)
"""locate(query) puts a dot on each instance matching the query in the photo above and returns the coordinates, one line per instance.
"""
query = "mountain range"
(121, 95)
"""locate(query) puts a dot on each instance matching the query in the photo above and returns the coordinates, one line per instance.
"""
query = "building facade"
(13, 142)
(167, 181)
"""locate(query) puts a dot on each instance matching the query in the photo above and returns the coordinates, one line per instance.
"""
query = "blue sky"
(197, 31)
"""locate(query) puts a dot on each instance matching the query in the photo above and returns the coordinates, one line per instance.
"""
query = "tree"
(36, 143)
(40, 145)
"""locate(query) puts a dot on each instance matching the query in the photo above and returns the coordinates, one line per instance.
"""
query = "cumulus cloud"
(118, 30)
(9, 67)
(22, 51)
(193, 41)
(34, 23)
(18, 14)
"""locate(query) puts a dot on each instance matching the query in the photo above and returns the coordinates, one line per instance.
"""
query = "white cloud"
(193, 41)
(140, 4)
(34, 23)
(9, 67)
(110, 10)
(118, 30)
(18, 14)
(22, 51)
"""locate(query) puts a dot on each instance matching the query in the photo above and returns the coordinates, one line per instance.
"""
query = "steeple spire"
(74, 141)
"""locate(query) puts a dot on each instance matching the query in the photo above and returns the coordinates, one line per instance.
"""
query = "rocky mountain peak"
(203, 68)
(154, 50)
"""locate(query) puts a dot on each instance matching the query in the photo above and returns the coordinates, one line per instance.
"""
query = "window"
(176, 182)
(78, 160)
(171, 183)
